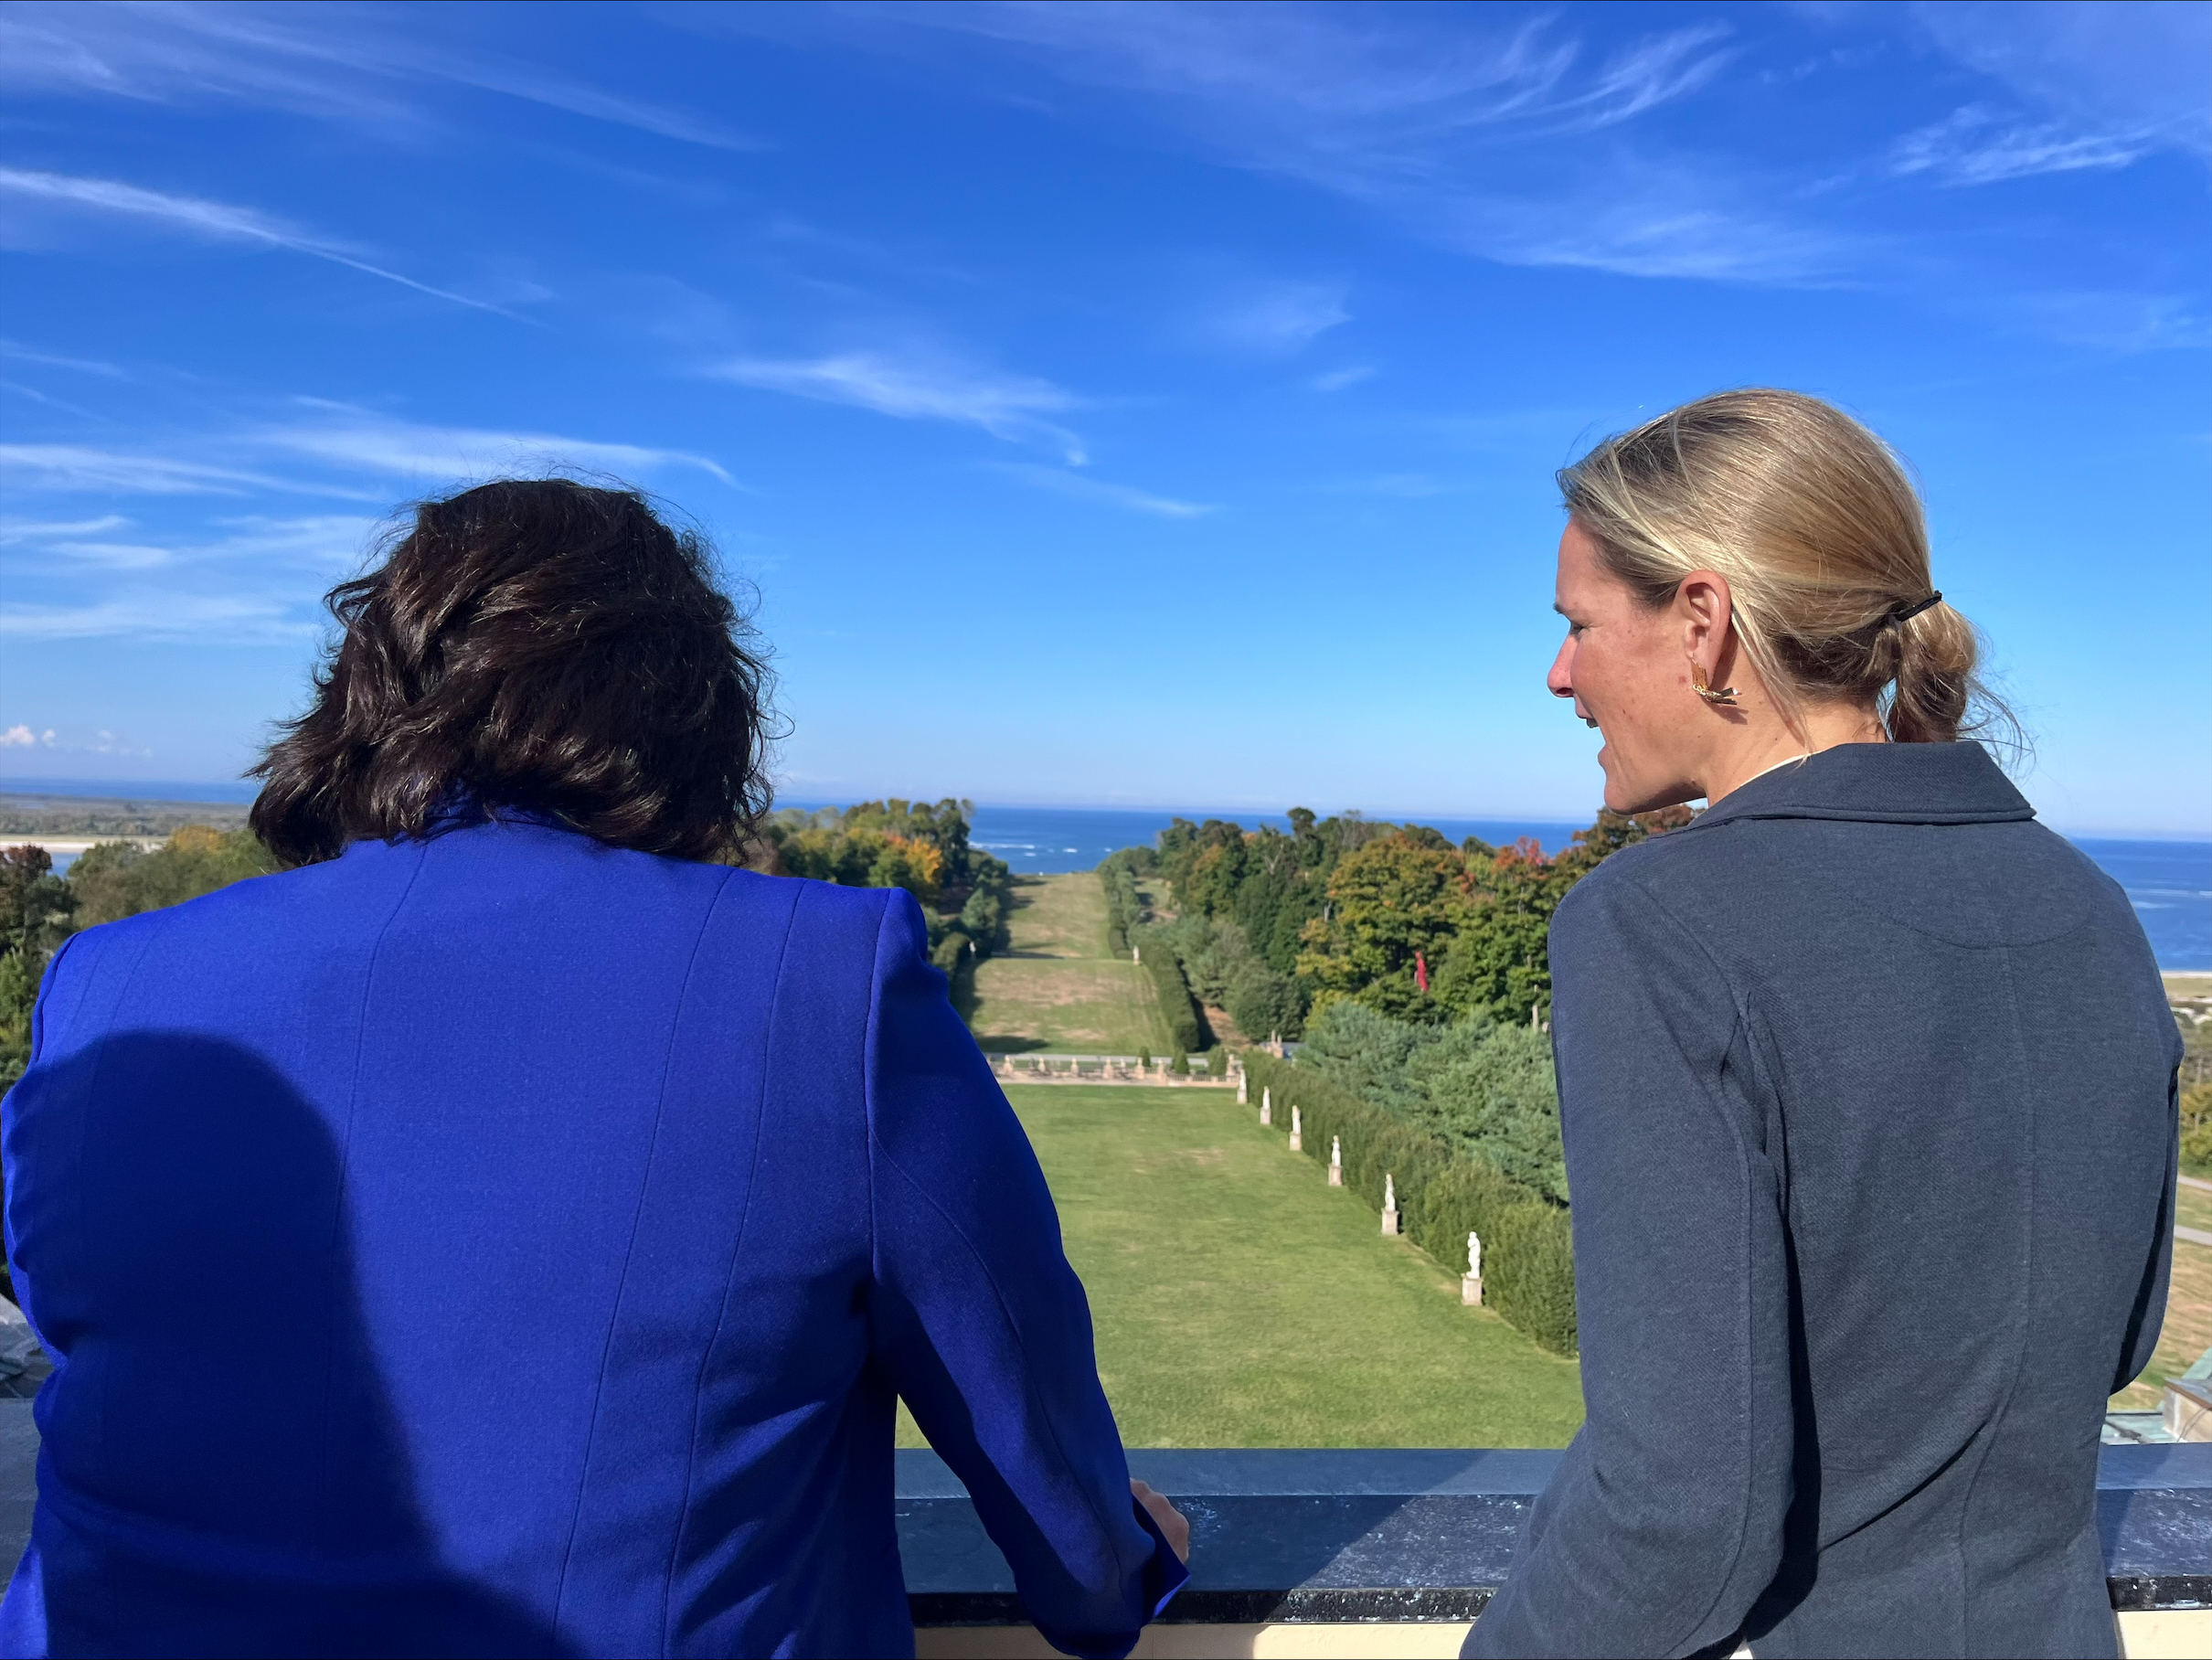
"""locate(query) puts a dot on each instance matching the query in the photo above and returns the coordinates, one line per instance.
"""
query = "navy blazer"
(1867, 1082)
(505, 1244)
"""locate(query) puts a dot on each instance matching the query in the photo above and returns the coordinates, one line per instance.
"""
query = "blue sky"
(1114, 405)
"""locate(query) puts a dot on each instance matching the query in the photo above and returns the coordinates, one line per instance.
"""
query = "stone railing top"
(1326, 1536)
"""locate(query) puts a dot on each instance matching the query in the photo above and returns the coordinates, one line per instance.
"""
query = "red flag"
(1420, 971)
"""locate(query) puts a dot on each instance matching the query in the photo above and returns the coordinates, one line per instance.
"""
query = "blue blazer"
(503, 1244)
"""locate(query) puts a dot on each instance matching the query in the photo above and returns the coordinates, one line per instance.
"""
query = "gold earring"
(1718, 696)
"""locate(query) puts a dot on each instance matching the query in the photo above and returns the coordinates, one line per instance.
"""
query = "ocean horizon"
(2168, 880)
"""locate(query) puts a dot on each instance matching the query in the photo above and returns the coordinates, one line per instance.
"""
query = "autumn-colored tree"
(1499, 965)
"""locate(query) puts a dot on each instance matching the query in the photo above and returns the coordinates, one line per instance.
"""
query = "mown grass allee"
(1240, 1302)
(1058, 987)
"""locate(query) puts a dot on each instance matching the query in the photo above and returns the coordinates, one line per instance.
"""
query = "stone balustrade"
(1394, 1553)
(1386, 1553)
(1113, 1069)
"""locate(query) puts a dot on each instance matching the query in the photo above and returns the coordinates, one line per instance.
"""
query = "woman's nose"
(1562, 679)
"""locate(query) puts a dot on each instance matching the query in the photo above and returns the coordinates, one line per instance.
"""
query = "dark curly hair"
(535, 644)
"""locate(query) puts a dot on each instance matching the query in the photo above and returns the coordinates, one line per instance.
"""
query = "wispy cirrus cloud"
(148, 614)
(1276, 319)
(315, 541)
(1085, 488)
(28, 530)
(84, 469)
(20, 353)
(2135, 70)
(354, 444)
(245, 579)
(358, 441)
(1309, 88)
(913, 387)
(349, 64)
(1504, 139)
(197, 215)
(1975, 146)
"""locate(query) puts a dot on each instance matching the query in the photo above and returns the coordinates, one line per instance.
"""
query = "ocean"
(2169, 882)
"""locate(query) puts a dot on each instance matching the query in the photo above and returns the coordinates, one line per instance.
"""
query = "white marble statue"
(1475, 1257)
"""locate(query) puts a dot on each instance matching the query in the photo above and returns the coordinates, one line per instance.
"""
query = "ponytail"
(1932, 678)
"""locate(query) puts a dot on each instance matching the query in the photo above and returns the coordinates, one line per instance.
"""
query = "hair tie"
(1905, 610)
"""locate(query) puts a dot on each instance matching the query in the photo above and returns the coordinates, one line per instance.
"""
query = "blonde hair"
(1812, 519)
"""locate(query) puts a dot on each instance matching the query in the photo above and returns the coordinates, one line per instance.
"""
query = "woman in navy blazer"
(1867, 1086)
(506, 1232)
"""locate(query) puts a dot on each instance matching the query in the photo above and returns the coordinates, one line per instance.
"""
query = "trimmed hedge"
(1528, 1272)
(954, 960)
(1173, 991)
(1124, 907)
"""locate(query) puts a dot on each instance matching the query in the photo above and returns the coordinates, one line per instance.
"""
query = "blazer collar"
(1887, 784)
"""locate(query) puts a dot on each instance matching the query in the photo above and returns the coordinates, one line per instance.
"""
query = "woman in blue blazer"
(506, 1232)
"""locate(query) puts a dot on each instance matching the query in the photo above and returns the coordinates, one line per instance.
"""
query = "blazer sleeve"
(2147, 1318)
(981, 1325)
(1665, 1521)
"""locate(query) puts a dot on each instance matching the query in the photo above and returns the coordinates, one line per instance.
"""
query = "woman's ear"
(1705, 608)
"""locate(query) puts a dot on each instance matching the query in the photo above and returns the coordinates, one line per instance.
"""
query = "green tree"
(1395, 906)
(116, 880)
(35, 910)
(36, 905)
(1486, 1090)
(1265, 1004)
(2196, 1129)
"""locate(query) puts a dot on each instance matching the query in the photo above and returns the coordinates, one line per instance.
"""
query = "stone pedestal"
(1471, 1289)
(1336, 1176)
(1390, 1220)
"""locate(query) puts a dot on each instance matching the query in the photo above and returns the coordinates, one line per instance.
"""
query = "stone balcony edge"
(1339, 1536)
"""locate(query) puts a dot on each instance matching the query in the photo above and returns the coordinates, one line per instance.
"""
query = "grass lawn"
(1058, 990)
(2188, 1332)
(2192, 1208)
(1240, 1302)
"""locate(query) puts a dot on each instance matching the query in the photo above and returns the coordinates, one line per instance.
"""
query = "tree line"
(1394, 916)
(918, 845)
(921, 847)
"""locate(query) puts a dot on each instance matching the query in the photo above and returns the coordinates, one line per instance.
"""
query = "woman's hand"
(1170, 1520)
